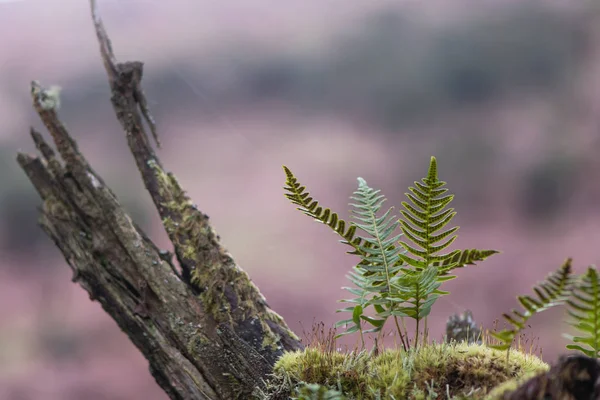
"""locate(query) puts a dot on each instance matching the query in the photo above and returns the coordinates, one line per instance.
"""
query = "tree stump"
(204, 327)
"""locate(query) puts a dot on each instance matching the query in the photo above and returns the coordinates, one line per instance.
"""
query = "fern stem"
(386, 263)
(417, 333)
(404, 346)
(362, 338)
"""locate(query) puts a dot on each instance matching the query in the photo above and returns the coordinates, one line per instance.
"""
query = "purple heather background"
(506, 94)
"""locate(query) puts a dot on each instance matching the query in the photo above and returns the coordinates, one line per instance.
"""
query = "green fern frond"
(584, 309)
(360, 302)
(379, 251)
(298, 195)
(553, 291)
(379, 256)
(424, 218)
(419, 290)
(462, 258)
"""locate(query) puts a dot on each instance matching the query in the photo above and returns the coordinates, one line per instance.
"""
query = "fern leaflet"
(553, 291)
(584, 309)
(298, 195)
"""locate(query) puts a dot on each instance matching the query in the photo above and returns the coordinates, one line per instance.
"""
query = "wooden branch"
(207, 332)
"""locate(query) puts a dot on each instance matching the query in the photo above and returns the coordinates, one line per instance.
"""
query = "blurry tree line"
(393, 72)
(396, 70)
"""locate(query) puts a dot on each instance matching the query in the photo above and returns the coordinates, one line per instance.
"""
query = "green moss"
(213, 270)
(467, 370)
(510, 385)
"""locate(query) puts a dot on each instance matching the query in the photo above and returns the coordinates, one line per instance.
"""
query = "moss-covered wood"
(205, 329)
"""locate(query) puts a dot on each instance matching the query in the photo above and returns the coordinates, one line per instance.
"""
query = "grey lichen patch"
(197, 342)
(55, 208)
(49, 99)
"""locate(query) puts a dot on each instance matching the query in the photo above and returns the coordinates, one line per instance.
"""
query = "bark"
(205, 329)
(574, 377)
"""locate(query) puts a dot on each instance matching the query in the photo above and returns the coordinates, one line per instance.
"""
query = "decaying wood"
(574, 377)
(206, 330)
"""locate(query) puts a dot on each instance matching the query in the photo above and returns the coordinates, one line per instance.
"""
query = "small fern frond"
(584, 309)
(418, 290)
(362, 291)
(426, 216)
(298, 195)
(553, 291)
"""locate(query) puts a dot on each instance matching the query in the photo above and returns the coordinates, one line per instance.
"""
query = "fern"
(462, 258)
(424, 221)
(298, 195)
(386, 278)
(379, 259)
(380, 255)
(361, 302)
(363, 276)
(420, 290)
(426, 216)
(553, 291)
(584, 309)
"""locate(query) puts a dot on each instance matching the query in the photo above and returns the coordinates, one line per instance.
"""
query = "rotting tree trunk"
(206, 330)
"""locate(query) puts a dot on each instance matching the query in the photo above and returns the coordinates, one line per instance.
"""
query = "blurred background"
(506, 95)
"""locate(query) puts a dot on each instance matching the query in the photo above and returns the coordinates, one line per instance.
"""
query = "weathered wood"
(206, 330)
(574, 377)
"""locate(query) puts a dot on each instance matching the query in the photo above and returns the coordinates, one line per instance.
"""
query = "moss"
(510, 385)
(226, 290)
(462, 370)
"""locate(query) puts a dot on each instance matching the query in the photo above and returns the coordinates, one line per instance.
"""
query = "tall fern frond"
(423, 223)
(584, 309)
(379, 256)
(298, 195)
(553, 291)
(379, 251)
(426, 216)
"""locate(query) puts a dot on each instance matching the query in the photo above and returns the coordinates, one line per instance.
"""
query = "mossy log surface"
(199, 346)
